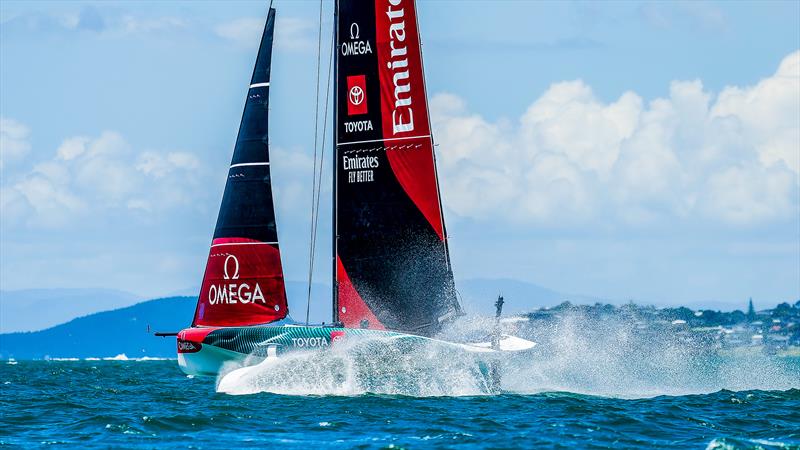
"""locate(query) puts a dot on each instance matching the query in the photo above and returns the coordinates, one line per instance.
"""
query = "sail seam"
(249, 164)
(386, 139)
(244, 243)
(390, 147)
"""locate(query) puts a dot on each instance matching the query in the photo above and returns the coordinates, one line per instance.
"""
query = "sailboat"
(392, 275)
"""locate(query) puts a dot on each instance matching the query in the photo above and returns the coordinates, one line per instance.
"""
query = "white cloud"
(742, 195)
(14, 141)
(132, 25)
(572, 158)
(769, 113)
(159, 165)
(692, 16)
(245, 31)
(292, 171)
(291, 33)
(90, 176)
(294, 34)
(92, 19)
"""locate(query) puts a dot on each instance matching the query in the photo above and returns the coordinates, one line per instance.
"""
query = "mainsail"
(392, 266)
(243, 282)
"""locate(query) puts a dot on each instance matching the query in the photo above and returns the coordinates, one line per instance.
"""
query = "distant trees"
(789, 314)
(782, 310)
(751, 311)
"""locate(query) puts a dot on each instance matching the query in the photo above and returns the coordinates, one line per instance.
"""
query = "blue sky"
(645, 151)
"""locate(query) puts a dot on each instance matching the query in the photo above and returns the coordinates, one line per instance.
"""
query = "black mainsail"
(392, 266)
(243, 282)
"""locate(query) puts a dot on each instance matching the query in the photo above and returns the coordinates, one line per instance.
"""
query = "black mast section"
(335, 163)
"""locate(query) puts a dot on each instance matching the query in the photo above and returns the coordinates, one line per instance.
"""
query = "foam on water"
(576, 354)
(359, 366)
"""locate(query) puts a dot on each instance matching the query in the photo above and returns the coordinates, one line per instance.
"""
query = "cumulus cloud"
(769, 113)
(97, 175)
(292, 171)
(89, 19)
(295, 34)
(132, 24)
(13, 140)
(244, 31)
(700, 16)
(291, 33)
(572, 158)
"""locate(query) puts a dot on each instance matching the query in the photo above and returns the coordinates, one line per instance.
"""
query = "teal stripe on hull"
(256, 340)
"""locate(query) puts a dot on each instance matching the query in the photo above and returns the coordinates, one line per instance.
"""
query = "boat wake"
(360, 366)
(577, 354)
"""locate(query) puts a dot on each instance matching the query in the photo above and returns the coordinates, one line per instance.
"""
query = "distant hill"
(37, 309)
(106, 333)
(478, 296)
(124, 330)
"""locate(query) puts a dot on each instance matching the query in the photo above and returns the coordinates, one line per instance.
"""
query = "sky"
(645, 151)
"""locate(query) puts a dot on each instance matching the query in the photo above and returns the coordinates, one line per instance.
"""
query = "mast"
(334, 167)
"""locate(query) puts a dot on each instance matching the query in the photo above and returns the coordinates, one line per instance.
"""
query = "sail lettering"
(310, 342)
(235, 293)
(360, 168)
(402, 114)
(360, 162)
(361, 125)
(356, 48)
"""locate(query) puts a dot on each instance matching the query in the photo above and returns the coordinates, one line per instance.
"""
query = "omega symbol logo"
(226, 273)
(356, 95)
(354, 31)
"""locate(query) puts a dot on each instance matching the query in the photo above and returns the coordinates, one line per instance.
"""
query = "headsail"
(392, 262)
(243, 282)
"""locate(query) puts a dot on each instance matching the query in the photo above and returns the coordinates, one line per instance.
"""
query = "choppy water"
(152, 404)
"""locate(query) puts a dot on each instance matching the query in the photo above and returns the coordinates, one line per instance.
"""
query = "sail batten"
(243, 282)
(393, 267)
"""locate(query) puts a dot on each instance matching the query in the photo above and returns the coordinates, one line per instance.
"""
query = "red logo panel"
(243, 285)
(356, 95)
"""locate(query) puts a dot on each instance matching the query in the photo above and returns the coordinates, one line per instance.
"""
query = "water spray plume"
(575, 353)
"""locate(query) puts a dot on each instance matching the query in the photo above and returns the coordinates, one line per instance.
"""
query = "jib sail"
(392, 266)
(243, 282)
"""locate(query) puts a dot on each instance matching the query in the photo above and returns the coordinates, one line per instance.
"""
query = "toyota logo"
(356, 95)
(226, 273)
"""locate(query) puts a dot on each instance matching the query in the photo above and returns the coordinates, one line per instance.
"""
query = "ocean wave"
(730, 443)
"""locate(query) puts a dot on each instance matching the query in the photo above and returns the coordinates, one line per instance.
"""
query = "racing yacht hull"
(208, 351)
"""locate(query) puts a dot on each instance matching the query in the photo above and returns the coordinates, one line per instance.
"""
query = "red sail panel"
(389, 235)
(243, 285)
(353, 312)
(404, 109)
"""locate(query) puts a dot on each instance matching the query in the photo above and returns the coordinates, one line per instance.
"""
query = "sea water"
(151, 404)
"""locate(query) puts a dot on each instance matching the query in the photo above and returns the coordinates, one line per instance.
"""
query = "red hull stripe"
(195, 334)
